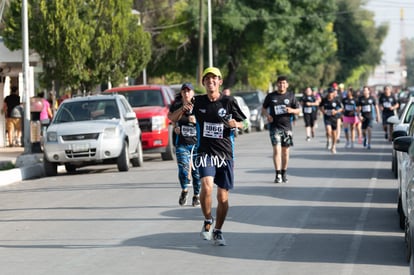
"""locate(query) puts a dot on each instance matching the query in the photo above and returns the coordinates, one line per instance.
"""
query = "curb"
(28, 166)
(22, 173)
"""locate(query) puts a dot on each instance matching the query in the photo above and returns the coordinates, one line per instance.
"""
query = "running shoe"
(284, 178)
(207, 229)
(333, 150)
(307, 138)
(183, 198)
(278, 178)
(196, 200)
(365, 142)
(369, 146)
(218, 238)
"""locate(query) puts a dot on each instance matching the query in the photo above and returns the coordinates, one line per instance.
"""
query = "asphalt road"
(337, 215)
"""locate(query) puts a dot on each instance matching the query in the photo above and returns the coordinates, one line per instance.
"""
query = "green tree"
(82, 43)
(253, 41)
(174, 27)
(359, 42)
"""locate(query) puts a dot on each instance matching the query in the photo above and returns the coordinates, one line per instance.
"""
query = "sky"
(389, 11)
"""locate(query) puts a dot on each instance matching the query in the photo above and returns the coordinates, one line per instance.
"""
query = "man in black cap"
(185, 143)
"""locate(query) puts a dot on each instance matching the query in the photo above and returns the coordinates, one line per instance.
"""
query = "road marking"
(358, 231)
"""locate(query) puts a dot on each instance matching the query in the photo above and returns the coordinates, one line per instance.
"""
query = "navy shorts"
(385, 117)
(331, 121)
(222, 170)
(367, 122)
(309, 119)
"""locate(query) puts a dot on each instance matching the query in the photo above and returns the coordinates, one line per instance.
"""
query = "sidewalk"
(27, 166)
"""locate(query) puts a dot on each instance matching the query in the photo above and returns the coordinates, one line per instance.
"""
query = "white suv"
(100, 129)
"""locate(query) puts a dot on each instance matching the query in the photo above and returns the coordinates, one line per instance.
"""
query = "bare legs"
(207, 186)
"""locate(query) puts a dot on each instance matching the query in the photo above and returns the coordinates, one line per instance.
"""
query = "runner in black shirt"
(367, 108)
(330, 108)
(388, 104)
(309, 107)
(217, 117)
(185, 144)
(278, 107)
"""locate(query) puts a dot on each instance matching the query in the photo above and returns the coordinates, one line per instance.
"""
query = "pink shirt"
(44, 114)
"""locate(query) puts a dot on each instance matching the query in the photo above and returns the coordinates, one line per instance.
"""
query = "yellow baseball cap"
(212, 70)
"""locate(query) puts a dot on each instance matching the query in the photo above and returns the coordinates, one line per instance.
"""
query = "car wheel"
(169, 151)
(139, 159)
(50, 168)
(70, 168)
(123, 159)
(401, 214)
(261, 125)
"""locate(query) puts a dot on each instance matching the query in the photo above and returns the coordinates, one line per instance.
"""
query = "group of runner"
(353, 110)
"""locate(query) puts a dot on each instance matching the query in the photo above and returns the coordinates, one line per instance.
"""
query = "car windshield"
(87, 110)
(251, 99)
(142, 98)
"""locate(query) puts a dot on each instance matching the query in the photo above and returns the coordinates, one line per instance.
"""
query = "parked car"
(151, 104)
(176, 88)
(403, 161)
(405, 145)
(92, 130)
(254, 100)
(400, 122)
(247, 125)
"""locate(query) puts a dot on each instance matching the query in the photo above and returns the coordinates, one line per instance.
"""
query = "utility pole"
(26, 94)
(201, 44)
(402, 51)
(210, 35)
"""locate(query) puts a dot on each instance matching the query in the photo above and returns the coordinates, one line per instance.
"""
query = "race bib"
(366, 108)
(280, 109)
(387, 104)
(188, 131)
(213, 130)
(328, 112)
(349, 107)
(307, 110)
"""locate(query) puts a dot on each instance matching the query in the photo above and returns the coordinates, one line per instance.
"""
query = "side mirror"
(397, 134)
(130, 115)
(402, 144)
(393, 120)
